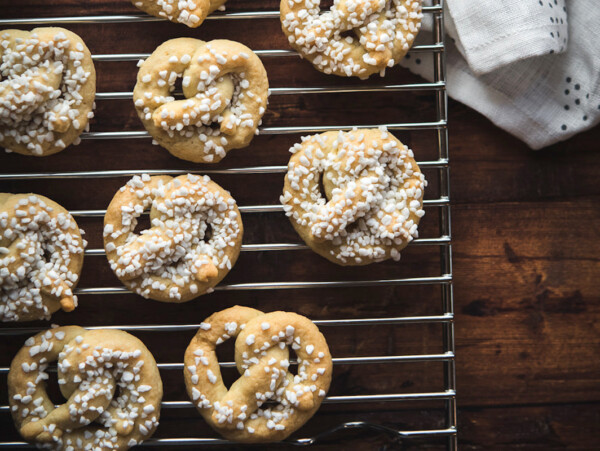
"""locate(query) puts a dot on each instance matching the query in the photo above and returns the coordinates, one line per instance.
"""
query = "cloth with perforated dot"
(531, 66)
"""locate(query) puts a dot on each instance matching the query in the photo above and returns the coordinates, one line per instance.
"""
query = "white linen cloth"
(531, 66)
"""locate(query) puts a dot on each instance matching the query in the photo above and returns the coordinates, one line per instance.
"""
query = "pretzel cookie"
(194, 239)
(267, 403)
(188, 12)
(109, 379)
(41, 255)
(47, 90)
(354, 38)
(356, 197)
(225, 87)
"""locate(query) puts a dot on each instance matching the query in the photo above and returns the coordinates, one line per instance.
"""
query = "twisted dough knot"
(47, 90)
(109, 378)
(189, 12)
(268, 402)
(194, 239)
(372, 195)
(225, 88)
(41, 255)
(355, 37)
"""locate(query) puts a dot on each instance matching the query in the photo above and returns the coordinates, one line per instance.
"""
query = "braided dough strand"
(41, 255)
(268, 402)
(92, 366)
(47, 89)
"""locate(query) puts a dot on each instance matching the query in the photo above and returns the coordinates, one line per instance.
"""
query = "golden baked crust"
(109, 378)
(191, 12)
(262, 359)
(194, 240)
(225, 87)
(47, 90)
(41, 255)
(373, 195)
(355, 38)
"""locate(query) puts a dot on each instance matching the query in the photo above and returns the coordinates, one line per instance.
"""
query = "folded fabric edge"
(463, 86)
(502, 50)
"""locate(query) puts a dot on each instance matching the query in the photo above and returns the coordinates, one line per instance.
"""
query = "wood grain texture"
(526, 255)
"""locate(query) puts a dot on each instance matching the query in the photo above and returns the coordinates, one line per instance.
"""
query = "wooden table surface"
(527, 284)
(526, 248)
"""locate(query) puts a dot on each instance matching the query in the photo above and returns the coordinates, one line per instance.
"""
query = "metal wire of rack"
(445, 318)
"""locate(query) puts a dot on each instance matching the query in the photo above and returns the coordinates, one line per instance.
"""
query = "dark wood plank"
(528, 301)
(489, 165)
(530, 428)
(526, 265)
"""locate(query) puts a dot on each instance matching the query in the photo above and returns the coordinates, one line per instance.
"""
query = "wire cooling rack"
(441, 165)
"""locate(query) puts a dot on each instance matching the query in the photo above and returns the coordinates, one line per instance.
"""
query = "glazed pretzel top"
(47, 90)
(373, 195)
(188, 12)
(178, 258)
(109, 378)
(225, 88)
(41, 255)
(262, 359)
(354, 37)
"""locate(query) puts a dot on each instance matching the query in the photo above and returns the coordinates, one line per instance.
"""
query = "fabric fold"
(494, 34)
(539, 87)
